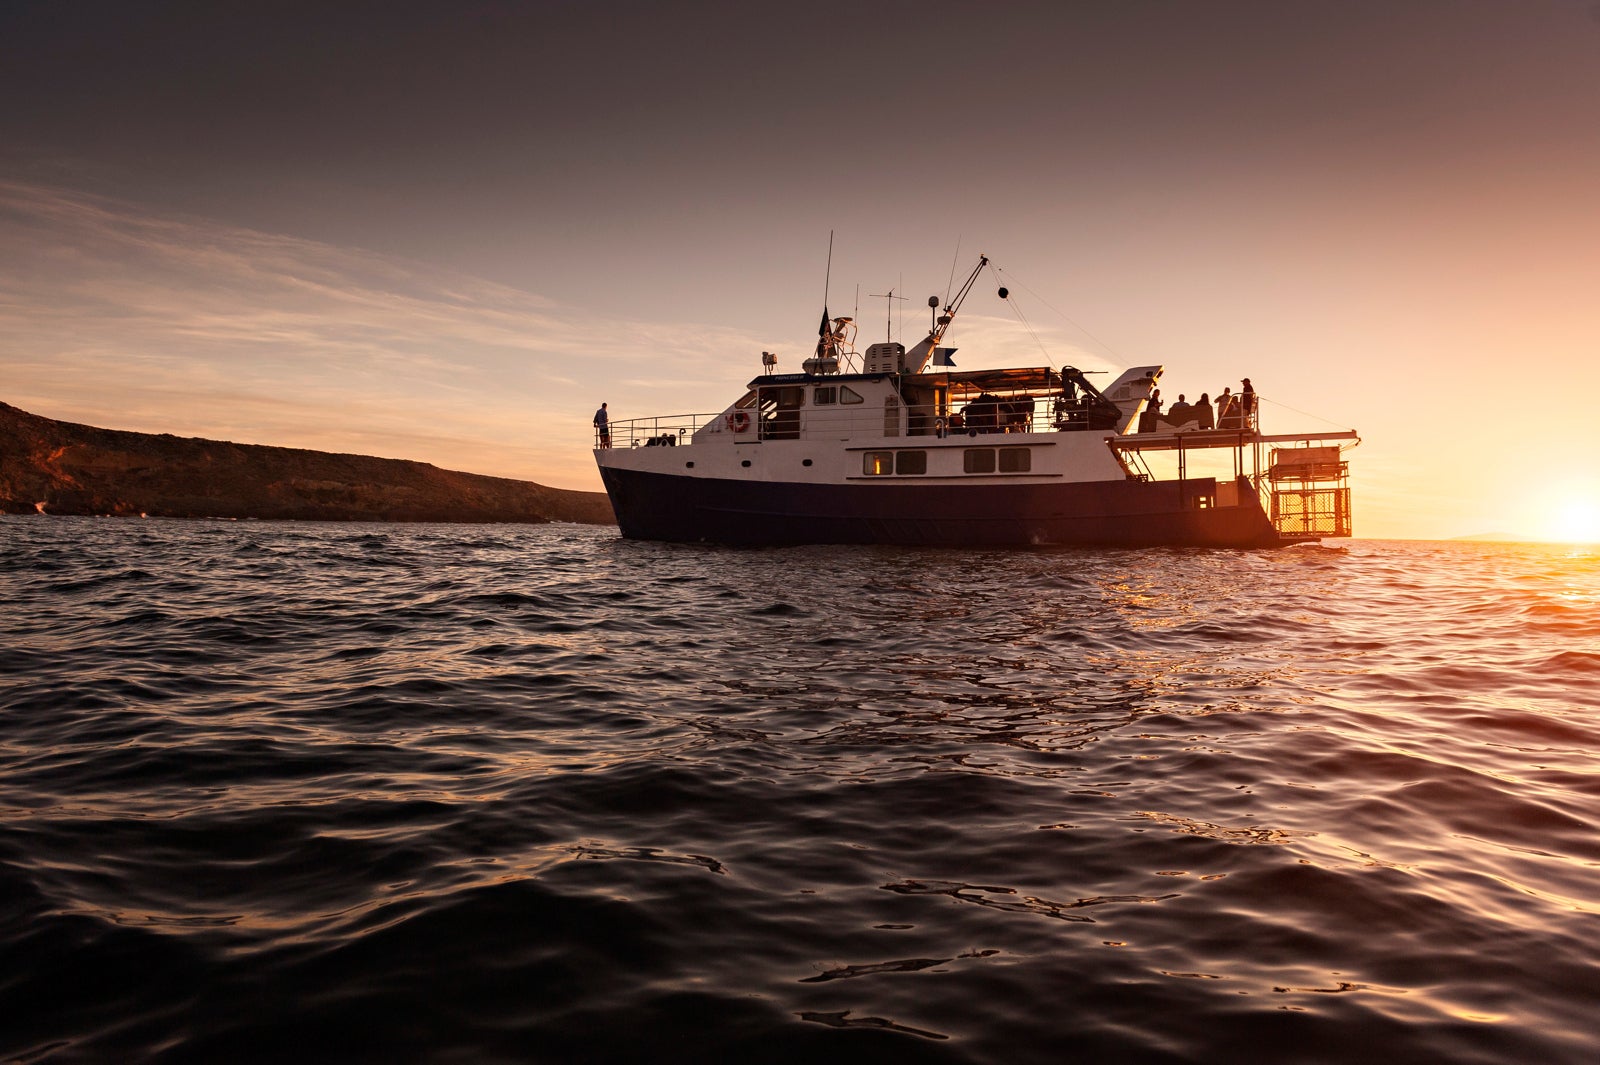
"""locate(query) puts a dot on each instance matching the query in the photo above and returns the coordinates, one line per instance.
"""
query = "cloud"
(114, 315)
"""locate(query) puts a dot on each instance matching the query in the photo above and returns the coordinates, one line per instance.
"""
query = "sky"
(448, 231)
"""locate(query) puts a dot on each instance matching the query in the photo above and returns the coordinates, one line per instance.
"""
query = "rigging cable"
(1308, 414)
(1116, 357)
(950, 284)
(1016, 309)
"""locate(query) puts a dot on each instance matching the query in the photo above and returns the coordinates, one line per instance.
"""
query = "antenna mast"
(891, 297)
(827, 277)
(951, 307)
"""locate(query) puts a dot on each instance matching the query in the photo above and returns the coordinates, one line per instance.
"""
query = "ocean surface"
(289, 792)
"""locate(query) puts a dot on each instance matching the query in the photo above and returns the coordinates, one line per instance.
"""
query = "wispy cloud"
(113, 315)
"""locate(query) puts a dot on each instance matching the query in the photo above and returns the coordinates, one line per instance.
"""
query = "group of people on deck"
(1232, 411)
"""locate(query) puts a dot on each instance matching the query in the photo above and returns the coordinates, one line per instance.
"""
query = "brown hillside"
(78, 469)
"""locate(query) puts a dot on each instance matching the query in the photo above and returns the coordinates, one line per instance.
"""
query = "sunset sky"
(448, 231)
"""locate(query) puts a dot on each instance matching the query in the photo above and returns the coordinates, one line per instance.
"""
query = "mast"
(917, 358)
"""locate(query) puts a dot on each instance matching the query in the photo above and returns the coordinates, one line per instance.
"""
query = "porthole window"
(745, 463)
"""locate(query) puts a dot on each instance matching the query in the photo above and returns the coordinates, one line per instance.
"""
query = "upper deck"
(875, 405)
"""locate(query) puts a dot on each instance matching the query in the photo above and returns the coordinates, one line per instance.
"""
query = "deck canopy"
(1032, 379)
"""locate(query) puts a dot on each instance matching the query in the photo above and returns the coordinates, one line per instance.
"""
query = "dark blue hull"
(1127, 513)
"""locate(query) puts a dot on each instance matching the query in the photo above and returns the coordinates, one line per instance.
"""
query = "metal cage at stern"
(1310, 492)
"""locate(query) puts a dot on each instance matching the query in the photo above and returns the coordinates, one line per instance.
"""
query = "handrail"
(637, 432)
(1014, 413)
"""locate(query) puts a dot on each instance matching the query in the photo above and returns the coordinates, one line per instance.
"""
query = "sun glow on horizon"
(1574, 520)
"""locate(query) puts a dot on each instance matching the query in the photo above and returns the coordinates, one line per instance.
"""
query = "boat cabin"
(884, 403)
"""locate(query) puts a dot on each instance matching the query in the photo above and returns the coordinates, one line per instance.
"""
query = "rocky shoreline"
(63, 468)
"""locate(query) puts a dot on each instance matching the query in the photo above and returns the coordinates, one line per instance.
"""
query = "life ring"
(738, 421)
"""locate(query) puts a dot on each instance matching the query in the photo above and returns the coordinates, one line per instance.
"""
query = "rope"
(1018, 284)
(1017, 310)
(1308, 414)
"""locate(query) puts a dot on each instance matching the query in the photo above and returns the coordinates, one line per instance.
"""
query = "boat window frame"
(918, 457)
(877, 463)
(1013, 453)
(973, 458)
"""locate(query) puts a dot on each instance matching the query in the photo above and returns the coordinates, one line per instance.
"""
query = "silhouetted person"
(602, 425)
(1180, 412)
(1247, 403)
(1150, 417)
(1205, 419)
(1228, 410)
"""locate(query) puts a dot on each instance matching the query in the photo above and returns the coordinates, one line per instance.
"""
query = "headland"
(64, 468)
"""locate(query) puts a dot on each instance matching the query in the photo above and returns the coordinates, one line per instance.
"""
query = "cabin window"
(910, 462)
(877, 463)
(780, 412)
(825, 396)
(978, 460)
(849, 395)
(1015, 460)
(786, 396)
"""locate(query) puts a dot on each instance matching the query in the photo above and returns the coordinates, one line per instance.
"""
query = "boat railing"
(1011, 414)
(665, 431)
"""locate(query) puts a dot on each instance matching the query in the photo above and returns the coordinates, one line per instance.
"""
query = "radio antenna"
(891, 297)
(827, 278)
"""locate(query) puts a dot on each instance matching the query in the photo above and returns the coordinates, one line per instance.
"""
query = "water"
(276, 792)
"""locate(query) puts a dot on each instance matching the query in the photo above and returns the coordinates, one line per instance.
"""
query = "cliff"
(78, 469)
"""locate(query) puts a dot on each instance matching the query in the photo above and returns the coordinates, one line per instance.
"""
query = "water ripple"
(536, 793)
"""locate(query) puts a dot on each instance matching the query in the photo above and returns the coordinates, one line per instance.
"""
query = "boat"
(897, 446)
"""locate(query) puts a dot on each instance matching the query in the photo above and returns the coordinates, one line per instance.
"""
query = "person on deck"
(1227, 410)
(1180, 412)
(1150, 417)
(602, 426)
(1203, 411)
(1247, 404)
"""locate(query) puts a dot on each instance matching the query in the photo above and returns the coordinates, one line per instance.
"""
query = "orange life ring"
(738, 421)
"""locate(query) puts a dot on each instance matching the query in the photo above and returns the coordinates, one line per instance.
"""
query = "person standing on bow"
(602, 426)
